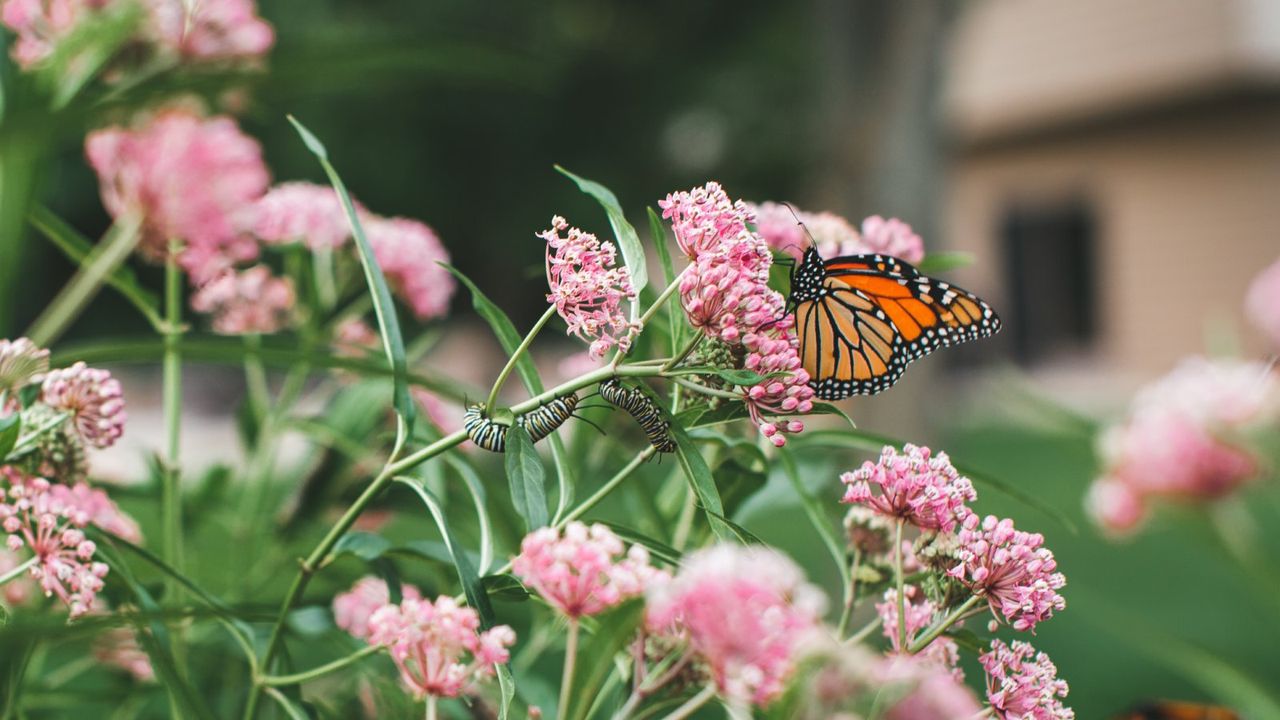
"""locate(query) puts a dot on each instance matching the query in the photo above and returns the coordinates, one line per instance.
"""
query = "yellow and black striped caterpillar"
(491, 435)
(641, 407)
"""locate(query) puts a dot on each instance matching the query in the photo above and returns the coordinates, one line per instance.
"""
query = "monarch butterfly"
(861, 319)
(1174, 710)
(491, 435)
(641, 407)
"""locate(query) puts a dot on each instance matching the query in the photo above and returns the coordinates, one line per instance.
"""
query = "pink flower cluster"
(833, 235)
(1262, 303)
(935, 692)
(725, 294)
(438, 647)
(744, 611)
(1023, 684)
(353, 609)
(1011, 569)
(585, 571)
(46, 523)
(302, 212)
(190, 179)
(93, 506)
(410, 254)
(915, 486)
(1184, 439)
(118, 647)
(587, 287)
(207, 30)
(21, 363)
(93, 398)
(920, 614)
(252, 301)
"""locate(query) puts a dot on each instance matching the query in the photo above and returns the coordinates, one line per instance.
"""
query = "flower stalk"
(570, 660)
(897, 579)
(516, 355)
(956, 615)
(321, 671)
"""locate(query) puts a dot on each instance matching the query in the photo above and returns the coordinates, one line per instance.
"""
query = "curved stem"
(850, 594)
(171, 495)
(516, 354)
(862, 634)
(18, 571)
(570, 659)
(941, 627)
(653, 309)
(686, 352)
(704, 390)
(277, 680)
(897, 579)
(693, 703)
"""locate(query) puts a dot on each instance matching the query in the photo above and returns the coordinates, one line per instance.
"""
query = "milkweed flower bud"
(302, 212)
(584, 571)
(587, 286)
(1022, 683)
(94, 399)
(914, 485)
(1011, 569)
(353, 609)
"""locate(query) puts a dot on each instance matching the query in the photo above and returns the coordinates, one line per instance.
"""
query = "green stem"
(18, 571)
(29, 441)
(704, 390)
(897, 579)
(171, 497)
(255, 377)
(684, 525)
(71, 300)
(516, 354)
(686, 352)
(863, 632)
(570, 659)
(693, 703)
(850, 594)
(941, 627)
(278, 680)
(649, 313)
(431, 707)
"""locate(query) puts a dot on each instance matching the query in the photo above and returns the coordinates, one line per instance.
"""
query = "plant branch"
(941, 627)
(897, 579)
(14, 573)
(312, 674)
(570, 659)
(693, 703)
(515, 356)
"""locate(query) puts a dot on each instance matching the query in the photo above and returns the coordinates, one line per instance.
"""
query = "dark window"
(1049, 254)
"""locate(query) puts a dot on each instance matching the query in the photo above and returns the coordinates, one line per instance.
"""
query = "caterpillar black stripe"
(491, 435)
(641, 407)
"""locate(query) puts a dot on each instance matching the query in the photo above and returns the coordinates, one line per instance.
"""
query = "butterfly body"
(861, 319)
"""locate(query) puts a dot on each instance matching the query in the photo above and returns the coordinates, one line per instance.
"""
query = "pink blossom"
(935, 691)
(95, 507)
(353, 608)
(785, 231)
(587, 287)
(41, 24)
(585, 571)
(210, 29)
(252, 301)
(915, 486)
(409, 254)
(1115, 506)
(191, 179)
(771, 350)
(725, 293)
(1262, 303)
(745, 611)
(428, 642)
(51, 528)
(1011, 569)
(21, 363)
(355, 338)
(119, 648)
(302, 212)
(1023, 684)
(20, 590)
(892, 237)
(920, 613)
(705, 220)
(94, 399)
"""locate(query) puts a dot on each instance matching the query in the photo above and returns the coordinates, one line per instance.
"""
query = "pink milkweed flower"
(252, 301)
(1262, 303)
(793, 232)
(119, 648)
(585, 570)
(746, 612)
(210, 29)
(94, 399)
(429, 643)
(409, 253)
(41, 24)
(20, 590)
(771, 350)
(1115, 506)
(587, 287)
(97, 508)
(353, 609)
(191, 179)
(933, 691)
(916, 486)
(892, 237)
(51, 528)
(1012, 569)
(920, 614)
(1023, 684)
(705, 220)
(21, 363)
(302, 212)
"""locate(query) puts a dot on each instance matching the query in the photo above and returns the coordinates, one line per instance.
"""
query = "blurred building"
(1115, 165)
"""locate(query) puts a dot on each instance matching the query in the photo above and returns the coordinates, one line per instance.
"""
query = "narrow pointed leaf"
(526, 477)
(817, 517)
(698, 473)
(10, 428)
(628, 240)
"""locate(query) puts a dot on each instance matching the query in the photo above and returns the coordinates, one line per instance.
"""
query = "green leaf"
(505, 587)
(10, 428)
(817, 516)
(614, 631)
(383, 306)
(507, 691)
(476, 489)
(477, 598)
(659, 233)
(628, 240)
(704, 485)
(525, 476)
(657, 549)
(365, 545)
(944, 261)
(290, 707)
(78, 248)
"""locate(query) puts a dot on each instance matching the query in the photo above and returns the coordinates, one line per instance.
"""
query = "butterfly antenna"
(812, 241)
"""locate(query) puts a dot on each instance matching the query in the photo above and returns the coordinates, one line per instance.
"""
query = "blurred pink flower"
(41, 24)
(1115, 506)
(1023, 684)
(252, 301)
(21, 363)
(1011, 569)
(20, 590)
(302, 212)
(587, 287)
(915, 486)
(745, 611)
(833, 235)
(920, 612)
(94, 507)
(355, 338)
(51, 528)
(935, 691)
(353, 608)
(210, 29)
(409, 253)
(585, 571)
(94, 399)
(1262, 303)
(444, 415)
(892, 237)
(579, 363)
(774, 350)
(428, 642)
(119, 648)
(191, 179)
